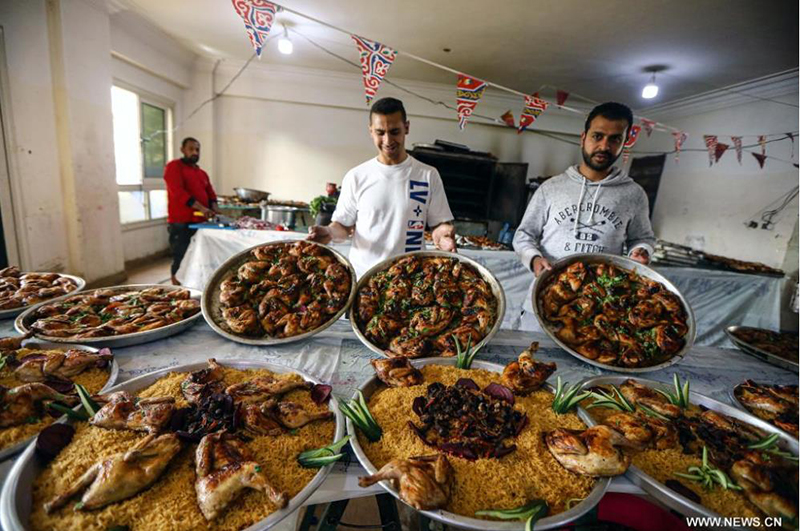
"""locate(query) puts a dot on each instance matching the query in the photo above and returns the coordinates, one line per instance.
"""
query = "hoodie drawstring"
(580, 201)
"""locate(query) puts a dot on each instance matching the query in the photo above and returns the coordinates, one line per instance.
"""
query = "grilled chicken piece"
(643, 430)
(593, 452)
(292, 416)
(224, 469)
(641, 394)
(725, 423)
(202, 383)
(263, 388)
(430, 321)
(12, 343)
(241, 319)
(253, 271)
(382, 327)
(21, 404)
(55, 363)
(424, 482)
(396, 372)
(763, 398)
(573, 276)
(526, 374)
(122, 411)
(769, 488)
(407, 345)
(465, 334)
(122, 475)
(367, 304)
(255, 420)
(785, 392)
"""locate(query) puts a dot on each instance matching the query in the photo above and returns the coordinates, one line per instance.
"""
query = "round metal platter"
(758, 353)
(628, 265)
(113, 373)
(17, 494)
(212, 310)
(465, 522)
(13, 312)
(658, 490)
(24, 321)
(486, 275)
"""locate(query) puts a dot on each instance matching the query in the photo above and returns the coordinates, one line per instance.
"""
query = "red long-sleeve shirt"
(185, 185)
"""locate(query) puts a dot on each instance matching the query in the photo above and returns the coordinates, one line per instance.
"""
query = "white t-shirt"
(390, 207)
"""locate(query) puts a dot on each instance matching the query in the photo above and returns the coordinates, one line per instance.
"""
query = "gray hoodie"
(570, 214)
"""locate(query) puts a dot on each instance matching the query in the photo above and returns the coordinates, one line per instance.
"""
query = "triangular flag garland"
(469, 91)
(760, 158)
(626, 153)
(737, 143)
(633, 136)
(258, 16)
(711, 146)
(762, 140)
(533, 108)
(680, 138)
(791, 137)
(508, 119)
(648, 126)
(376, 58)
(561, 97)
(720, 150)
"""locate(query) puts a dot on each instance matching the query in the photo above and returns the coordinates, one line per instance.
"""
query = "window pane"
(158, 204)
(154, 140)
(127, 147)
(132, 207)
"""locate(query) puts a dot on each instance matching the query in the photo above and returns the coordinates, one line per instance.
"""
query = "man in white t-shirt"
(386, 202)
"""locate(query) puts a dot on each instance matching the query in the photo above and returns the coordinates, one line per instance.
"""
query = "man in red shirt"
(189, 192)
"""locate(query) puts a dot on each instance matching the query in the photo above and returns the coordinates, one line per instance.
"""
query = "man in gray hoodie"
(590, 208)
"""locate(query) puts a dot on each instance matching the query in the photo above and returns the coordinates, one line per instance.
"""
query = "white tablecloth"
(718, 298)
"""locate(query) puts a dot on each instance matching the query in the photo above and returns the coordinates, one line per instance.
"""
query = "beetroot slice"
(418, 406)
(500, 391)
(469, 383)
(321, 393)
(53, 439)
(62, 386)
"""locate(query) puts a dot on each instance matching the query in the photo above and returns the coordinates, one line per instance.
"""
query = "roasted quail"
(263, 388)
(526, 374)
(124, 412)
(424, 482)
(40, 366)
(396, 372)
(593, 452)
(202, 383)
(26, 403)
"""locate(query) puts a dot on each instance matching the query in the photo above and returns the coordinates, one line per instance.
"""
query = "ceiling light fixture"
(285, 46)
(650, 90)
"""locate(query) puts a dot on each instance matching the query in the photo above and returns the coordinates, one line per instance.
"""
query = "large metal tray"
(758, 353)
(465, 522)
(658, 490)
(17, 495)
(24, 321)
(487, 275)
(628, 265)
(35, 344)
(740, 405)
(13, 312)
(212, 311)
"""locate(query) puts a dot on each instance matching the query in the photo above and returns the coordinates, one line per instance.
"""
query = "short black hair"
(188, 139)
(610, 111)
(386, 106)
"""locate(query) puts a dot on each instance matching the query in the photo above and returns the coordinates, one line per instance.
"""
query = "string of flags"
(376, 59)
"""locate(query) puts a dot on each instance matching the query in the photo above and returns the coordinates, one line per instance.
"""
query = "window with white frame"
(142, 142)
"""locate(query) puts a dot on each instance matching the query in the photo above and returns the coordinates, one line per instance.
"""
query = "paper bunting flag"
(711, 146)
(680, 138)
(508, 118)
(647, 125)
(720, 150)
(791, 137)
(258, 16)
(561, 97)
(633, 136)
(376, 59)
(737, 143)
(760, 158)
(469, 91)
(626, 153)
(762, 140)
(533, 108)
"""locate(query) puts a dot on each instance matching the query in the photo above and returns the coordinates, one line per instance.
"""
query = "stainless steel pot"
(280, 215)
(250, 195)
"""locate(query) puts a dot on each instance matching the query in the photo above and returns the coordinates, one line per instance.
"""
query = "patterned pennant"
(720, 150)
(561, 97)
(791, 137)
(469, 91)
(737, 143)
(376, 59)
(647, 125)
(533, 108)
(760, 158)
(258, 16)
(508, 118)
(680, 138)
(626, 153)
(762, 140)
(711, 146)
(633, 136)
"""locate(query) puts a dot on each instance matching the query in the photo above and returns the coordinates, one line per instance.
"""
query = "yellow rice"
(528, 473)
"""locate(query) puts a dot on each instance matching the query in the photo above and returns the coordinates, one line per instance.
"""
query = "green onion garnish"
(89, 405)
(653, 413)
(465, 356)
(71, 413)
(358, 412)
(567, 398)
(615, 400)
(680, 397)
(322, 456)
(708, 476)
(770, 445)
(530, 512)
